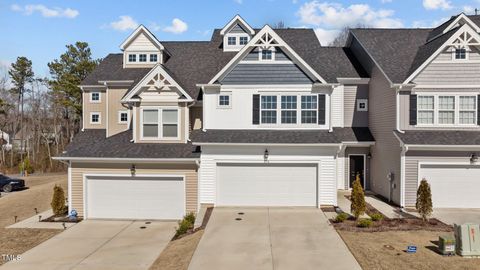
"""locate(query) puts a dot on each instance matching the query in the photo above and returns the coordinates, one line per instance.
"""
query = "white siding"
(327, 189)
(338, 106)
(141, 43)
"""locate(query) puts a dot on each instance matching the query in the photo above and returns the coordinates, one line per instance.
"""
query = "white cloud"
(46, 12)
(124, 23)
(326, 36)
(336, 16)
(386, 1)
(238, 1)
(178, 26)
(468, 10)
(437, 4)
(429, 24)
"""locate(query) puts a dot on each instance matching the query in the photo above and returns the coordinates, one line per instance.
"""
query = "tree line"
(40, 116)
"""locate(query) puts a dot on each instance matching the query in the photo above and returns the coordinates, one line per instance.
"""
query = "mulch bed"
(328, 209)
(395, 224)
(205, 220)
(61, 219)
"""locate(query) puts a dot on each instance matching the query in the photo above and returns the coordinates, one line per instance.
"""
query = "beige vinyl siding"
(89, 107)
(386, 151)
(360, 151)
(141, 44)
(78, 171)
(182, 121)
(352, 117)
(412, 160)
(445, 71)
(114, 107)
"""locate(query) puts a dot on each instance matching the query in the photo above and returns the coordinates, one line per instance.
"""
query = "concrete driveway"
(271, 238)
(100, 244)
(457, 216)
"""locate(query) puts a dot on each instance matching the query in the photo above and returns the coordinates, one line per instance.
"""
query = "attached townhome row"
(270, 117)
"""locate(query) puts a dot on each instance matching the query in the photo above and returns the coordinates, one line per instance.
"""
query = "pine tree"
(358, 206)
(424, 200)
(58, 200)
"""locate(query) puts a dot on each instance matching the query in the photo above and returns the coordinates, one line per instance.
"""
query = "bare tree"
(279, 25)
(342, 36)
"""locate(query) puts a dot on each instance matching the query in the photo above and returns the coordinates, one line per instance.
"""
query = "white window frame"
(133, 54)
(229, 95)
(266, 60)
(474, 110)
(237, 46)
(454, 54)
(99, 97)
(146, 58)
(276, 110)
(289, 110)
(160, 123)
(436, 109)
(234, 39)
(120, 116)
(360, 101)
(150, 57)
(307, 110)
(99, 118)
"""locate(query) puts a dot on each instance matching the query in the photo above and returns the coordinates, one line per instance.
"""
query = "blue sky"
(40, 29)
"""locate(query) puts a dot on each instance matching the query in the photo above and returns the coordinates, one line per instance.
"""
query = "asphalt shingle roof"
(282, 136)
(440, 137)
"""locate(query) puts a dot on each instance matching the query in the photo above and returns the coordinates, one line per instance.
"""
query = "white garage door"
(453, 186)
(135, 198)
(266, 185)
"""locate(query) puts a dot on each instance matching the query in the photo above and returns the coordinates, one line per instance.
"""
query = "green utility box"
(467, 237)
(446, 245)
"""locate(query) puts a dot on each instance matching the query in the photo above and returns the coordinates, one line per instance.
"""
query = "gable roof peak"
(141, 29)
(237, 19)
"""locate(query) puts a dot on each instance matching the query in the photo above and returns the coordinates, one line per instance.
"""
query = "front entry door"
(357, 166)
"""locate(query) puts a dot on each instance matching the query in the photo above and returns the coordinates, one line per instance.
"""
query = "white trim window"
(132, 57)
(446, 110)
(142, 57)
(153, 58)
(160, 123)
(95, 97)
(468, 110)
(425, 109)
(309, 108)
(95, 118)
(266, 55)
(122, 117)
(460, 54)
(243, 40)
(362, 105)
(231, 41)
(288, 109)
(225, 101)
(268, 109)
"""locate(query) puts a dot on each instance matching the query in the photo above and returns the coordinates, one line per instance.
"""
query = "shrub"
(58, 201)
(364, 223)
(26, 167)
(424, 200)
(185, 224)
(376, 217)
(190, 217)
(358, 206)
(341, 217)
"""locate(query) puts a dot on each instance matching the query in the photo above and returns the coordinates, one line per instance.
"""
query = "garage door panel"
(267, 185)
(453, 186)
(130, 198)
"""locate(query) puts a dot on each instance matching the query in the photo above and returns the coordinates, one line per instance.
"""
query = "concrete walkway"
(345, 203)
(34, 223)
(271, 238)
(100, 244)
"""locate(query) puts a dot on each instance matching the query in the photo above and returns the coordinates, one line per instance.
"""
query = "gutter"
(129, 160)
(268, 144)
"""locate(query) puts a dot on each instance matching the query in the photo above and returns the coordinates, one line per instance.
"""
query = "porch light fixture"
(265, 155)
(473, 158)
(369, 155)
(133, 170)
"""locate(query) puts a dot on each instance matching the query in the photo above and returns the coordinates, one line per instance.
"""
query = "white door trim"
(364, 170)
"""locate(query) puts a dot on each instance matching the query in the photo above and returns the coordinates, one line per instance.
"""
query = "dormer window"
(243, 40)
(266, 55)
(142, 58)
(232, 41)
(153, 57)
(460, 54)
(132, 58)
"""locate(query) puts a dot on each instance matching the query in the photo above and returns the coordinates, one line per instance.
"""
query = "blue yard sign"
(412, 249)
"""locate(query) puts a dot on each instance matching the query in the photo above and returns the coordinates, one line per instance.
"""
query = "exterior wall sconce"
(133, 170)
(474, 158)
(265, 155)
(369, 155)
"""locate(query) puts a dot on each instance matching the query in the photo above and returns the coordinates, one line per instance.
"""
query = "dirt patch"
(178, 254)
(385, 250)
(395, 224)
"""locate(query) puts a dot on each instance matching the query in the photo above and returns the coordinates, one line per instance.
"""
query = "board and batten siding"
(114, 107)
(78, 170)
(445, 71)
(245, 74)
(412, 160)
(353, 117)
(386, 151)
(89, 107)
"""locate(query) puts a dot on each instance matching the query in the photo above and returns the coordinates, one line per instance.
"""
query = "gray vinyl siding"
(266, 74)
(405, 109)
(237, 29)
(353, 151)
(412, 160)
(445, 71)
(352, 117)
(254, 56)
(386, 151)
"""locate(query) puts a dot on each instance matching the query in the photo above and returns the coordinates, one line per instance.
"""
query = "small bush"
(185, 224)
(376, 217)
(341, 217)
(358, 205)
(424, 200)
(26, 167)
(364, 223)
(58, 201)
(190, 217)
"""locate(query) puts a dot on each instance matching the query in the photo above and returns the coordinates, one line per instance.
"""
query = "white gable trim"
(279, 42)
(141, 29)
(460, 17)
(460, 31)
(240, 20)
(154, 71)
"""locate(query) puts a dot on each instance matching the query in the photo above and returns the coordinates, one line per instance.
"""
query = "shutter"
(256, 110)
(478, 110)
(321, 109)
(413, 110)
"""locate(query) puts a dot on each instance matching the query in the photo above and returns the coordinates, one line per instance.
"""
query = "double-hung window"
(132, 58)
(268, 109)
(243, 40)
(468, 109)
(289, 109)
(446, 110)
(95, 97)
(160, 123)
(232, 41)
(425, 106)
(153, 58)
(142, 58)
(309, 109)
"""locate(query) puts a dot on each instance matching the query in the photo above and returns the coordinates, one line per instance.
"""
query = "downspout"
(397, 110)
(402, 175)
(188, 120)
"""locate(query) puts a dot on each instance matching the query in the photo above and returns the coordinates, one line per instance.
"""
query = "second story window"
(446, 110)
(425, 109)
(95, 97)
(309, 109)
(266, 55)
(468, 109)
(232, 41)
(95, 118)
(289, 109)
(243, 40)
(451, 110)
(160, 123)
(122, 117)
(460, 54)
(132, 58)
(268, 109)
(142, 58)
(224, 101)
(153, 58)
